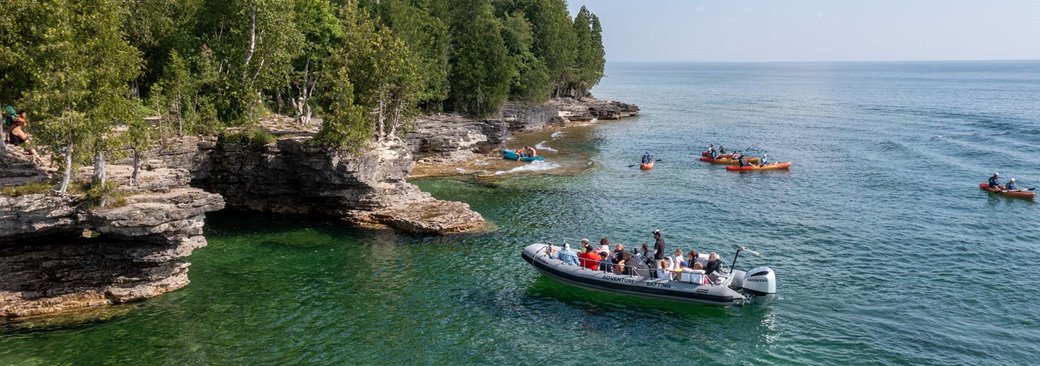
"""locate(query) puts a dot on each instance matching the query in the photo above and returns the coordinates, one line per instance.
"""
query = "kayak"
(646, 166)
(727, 161)
(1018, 193)
(729, 155)
(511, 155)
(770, 166)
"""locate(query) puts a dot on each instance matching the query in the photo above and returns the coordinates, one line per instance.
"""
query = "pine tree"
(481, 69)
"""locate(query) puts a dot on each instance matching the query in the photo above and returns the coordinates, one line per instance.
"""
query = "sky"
(817, 30)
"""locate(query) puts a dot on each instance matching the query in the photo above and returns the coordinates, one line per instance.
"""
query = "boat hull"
(727, 161)
(1026, 195)
(748, 168)
(717, 295)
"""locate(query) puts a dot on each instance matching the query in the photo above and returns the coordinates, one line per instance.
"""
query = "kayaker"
(568, 256)
(740, 160)
(1011, 185)
(659, 245)
(722, 150)
(519, 153)
(531, 152)
(647, 158)
(994, 181)
(763, 160)
(712, 152)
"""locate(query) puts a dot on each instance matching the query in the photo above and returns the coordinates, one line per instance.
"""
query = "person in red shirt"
(589, 259)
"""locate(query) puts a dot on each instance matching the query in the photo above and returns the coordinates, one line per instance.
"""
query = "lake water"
(886, 250)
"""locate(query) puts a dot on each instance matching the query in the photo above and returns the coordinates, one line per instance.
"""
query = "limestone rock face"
(368, 188)
(450, 138)
(136, 251)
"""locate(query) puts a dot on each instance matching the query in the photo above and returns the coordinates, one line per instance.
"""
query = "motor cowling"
(760, 281)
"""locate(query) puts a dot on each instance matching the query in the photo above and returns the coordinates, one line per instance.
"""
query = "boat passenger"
(568, 256)
(714, 264)
(659, 245)
(692, 261)
(531, 152)
(552, 252)
(519, 153)
(763, 160)
(662, 269)
(1011, 185)
(647, 158)
(585, 245)
(994, 181)
(604, 252)
(722, 150)
(617, 257)
(678, 261)
(741, 161)
(589, 259)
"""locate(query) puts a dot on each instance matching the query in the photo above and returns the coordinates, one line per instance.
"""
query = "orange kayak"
(647, 166)
(727, 161)
(1018, 193)
(770, 166)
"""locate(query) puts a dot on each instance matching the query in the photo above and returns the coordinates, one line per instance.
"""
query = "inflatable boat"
(728, 288)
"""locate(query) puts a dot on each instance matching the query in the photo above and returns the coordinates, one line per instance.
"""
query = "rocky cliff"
(59, 253)
(451, 138)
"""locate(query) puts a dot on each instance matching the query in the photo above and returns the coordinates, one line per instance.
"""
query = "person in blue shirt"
(994, 181)
(763, 160)
(712, 152)
(1011, 185)
(568, 256)
(647, 158)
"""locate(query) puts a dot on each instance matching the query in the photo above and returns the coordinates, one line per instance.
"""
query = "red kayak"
(1018, 193)
(770, 166)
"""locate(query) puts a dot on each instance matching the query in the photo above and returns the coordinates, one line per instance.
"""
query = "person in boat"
(585, 247)
(678, 260)
(693, 258)
(531, 152)
(519, 153)
(647, 158)
(604, 252)
(620, 258)
(1011, 186)
(711, 151)
(741, 160)
(764, 160)
(662, 269)
(568, 256)
(659, 246)
(994, 180)
(722, 150)
(714, 264)
(589, 259)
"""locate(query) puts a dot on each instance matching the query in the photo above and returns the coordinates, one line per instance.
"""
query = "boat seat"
(693, 276)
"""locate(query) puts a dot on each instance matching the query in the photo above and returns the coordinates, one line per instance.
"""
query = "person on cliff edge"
(659, 245)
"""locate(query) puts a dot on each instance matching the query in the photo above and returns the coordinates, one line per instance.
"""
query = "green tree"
(481, 68)
(321, 30)
(82, 68)
(414, 22)
(531, 81)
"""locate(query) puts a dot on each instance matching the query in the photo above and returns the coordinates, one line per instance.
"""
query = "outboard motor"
(760, 283)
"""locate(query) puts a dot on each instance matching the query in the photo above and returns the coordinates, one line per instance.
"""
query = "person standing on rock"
(659, 245)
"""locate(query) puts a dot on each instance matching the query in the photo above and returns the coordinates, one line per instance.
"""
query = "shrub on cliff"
(254, 137)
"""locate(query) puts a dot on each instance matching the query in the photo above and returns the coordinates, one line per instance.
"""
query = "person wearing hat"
(659, 245)
(1011, 185)
(994, 181)
(568, 256)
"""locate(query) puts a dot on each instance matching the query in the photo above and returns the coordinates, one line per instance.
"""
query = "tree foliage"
(365, 67)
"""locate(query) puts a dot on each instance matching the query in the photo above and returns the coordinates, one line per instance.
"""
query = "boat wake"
(535, 166)
(542, 147)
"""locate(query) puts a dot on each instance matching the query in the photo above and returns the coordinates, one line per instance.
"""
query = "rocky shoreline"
(443, 142)
(61, 254)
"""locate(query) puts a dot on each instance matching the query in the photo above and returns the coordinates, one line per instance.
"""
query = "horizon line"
(821, 61)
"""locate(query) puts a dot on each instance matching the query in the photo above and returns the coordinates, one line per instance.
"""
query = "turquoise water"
(886, 250)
